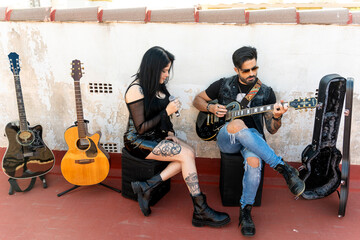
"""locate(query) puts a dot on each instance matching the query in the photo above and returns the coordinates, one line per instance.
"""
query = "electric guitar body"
(84, 163)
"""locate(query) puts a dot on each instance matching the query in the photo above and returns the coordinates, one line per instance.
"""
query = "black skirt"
(141, 145)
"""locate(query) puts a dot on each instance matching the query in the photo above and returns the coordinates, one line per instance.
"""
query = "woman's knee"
(187, 154)
(235, 126)
(185, 145)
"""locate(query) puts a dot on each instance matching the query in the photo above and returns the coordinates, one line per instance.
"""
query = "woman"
(150, 135)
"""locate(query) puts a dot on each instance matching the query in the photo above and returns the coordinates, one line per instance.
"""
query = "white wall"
(292, 59)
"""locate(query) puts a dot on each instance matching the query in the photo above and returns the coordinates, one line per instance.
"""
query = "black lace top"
(144, 133)
(158, 121)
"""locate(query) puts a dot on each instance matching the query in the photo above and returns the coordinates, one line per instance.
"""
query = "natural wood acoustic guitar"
(85, 162)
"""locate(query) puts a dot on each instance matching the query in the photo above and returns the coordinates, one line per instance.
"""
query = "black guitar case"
(345, 167)
(320, 160)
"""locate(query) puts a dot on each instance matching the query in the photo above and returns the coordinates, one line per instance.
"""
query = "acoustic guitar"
(208, 125)
(85, 162)
(27, 156)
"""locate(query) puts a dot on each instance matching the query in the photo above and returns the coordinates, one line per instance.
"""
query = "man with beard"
(246, 135)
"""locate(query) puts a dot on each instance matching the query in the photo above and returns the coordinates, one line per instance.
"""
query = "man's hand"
(218, 109)
(279, 109)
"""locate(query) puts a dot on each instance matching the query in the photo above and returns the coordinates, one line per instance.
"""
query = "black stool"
(231, 175)
(137, 169)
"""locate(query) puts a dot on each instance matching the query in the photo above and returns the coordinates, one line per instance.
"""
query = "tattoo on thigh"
(192, 182)
(167, 149)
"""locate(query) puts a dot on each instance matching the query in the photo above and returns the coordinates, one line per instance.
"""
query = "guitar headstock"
(305, 103)
(76, 70)
(14, 63)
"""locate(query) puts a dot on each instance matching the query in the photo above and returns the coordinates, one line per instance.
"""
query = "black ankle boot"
(143, 191)
(291, 175)
(246, 222)
(204, 215)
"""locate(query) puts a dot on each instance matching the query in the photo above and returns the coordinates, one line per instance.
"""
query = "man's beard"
(249, 80)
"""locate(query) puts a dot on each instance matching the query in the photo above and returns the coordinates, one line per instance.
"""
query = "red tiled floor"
(96, 212)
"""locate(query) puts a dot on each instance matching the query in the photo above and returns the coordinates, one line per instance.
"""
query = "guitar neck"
(79, 110)
(20, 103)
(248, 111)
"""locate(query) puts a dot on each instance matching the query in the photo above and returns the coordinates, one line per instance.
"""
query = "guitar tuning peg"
(82, 68)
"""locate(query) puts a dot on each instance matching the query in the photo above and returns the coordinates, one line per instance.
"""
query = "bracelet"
(208, 107)
(277, 119)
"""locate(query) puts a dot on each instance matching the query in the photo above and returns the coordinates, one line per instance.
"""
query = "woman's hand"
(173, 106)
(173, 138)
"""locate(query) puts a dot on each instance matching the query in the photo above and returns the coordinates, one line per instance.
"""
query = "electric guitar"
(27, 156)
(85, 162)
(208, 124)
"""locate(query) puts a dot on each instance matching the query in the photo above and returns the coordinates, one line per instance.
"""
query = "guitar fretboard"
(79, 110)
(248, 111)
(20, 103)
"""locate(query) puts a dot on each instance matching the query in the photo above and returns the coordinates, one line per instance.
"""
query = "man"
(246, 135)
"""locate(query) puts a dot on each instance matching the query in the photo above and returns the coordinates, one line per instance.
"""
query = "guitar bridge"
(84, 161)
(28, 154)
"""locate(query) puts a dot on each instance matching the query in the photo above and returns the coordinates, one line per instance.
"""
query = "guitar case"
(345, 167)
(320, 160)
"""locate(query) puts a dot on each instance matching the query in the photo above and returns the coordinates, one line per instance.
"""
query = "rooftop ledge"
(226, 14)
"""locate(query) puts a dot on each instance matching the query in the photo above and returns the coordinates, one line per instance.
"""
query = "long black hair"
(153, 62)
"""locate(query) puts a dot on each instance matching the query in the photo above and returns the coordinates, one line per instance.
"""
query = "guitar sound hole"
(25, 137)
(83, 143)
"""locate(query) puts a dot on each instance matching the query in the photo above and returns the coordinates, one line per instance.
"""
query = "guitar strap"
(251, 94)
(14, 185)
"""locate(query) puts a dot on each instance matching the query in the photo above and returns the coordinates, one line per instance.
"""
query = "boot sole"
(199, 223)
(138, 191)
(301, 192)
(248, 235)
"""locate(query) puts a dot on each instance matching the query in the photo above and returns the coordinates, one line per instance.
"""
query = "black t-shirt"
(214, 89)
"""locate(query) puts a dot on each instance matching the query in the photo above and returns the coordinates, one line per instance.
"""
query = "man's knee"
(253, 162)
(235, 126)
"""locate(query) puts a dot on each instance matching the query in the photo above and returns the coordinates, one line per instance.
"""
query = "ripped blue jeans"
(250, 143)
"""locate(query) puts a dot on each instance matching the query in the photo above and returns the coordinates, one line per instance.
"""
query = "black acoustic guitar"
(208, 124)
(27, 156)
